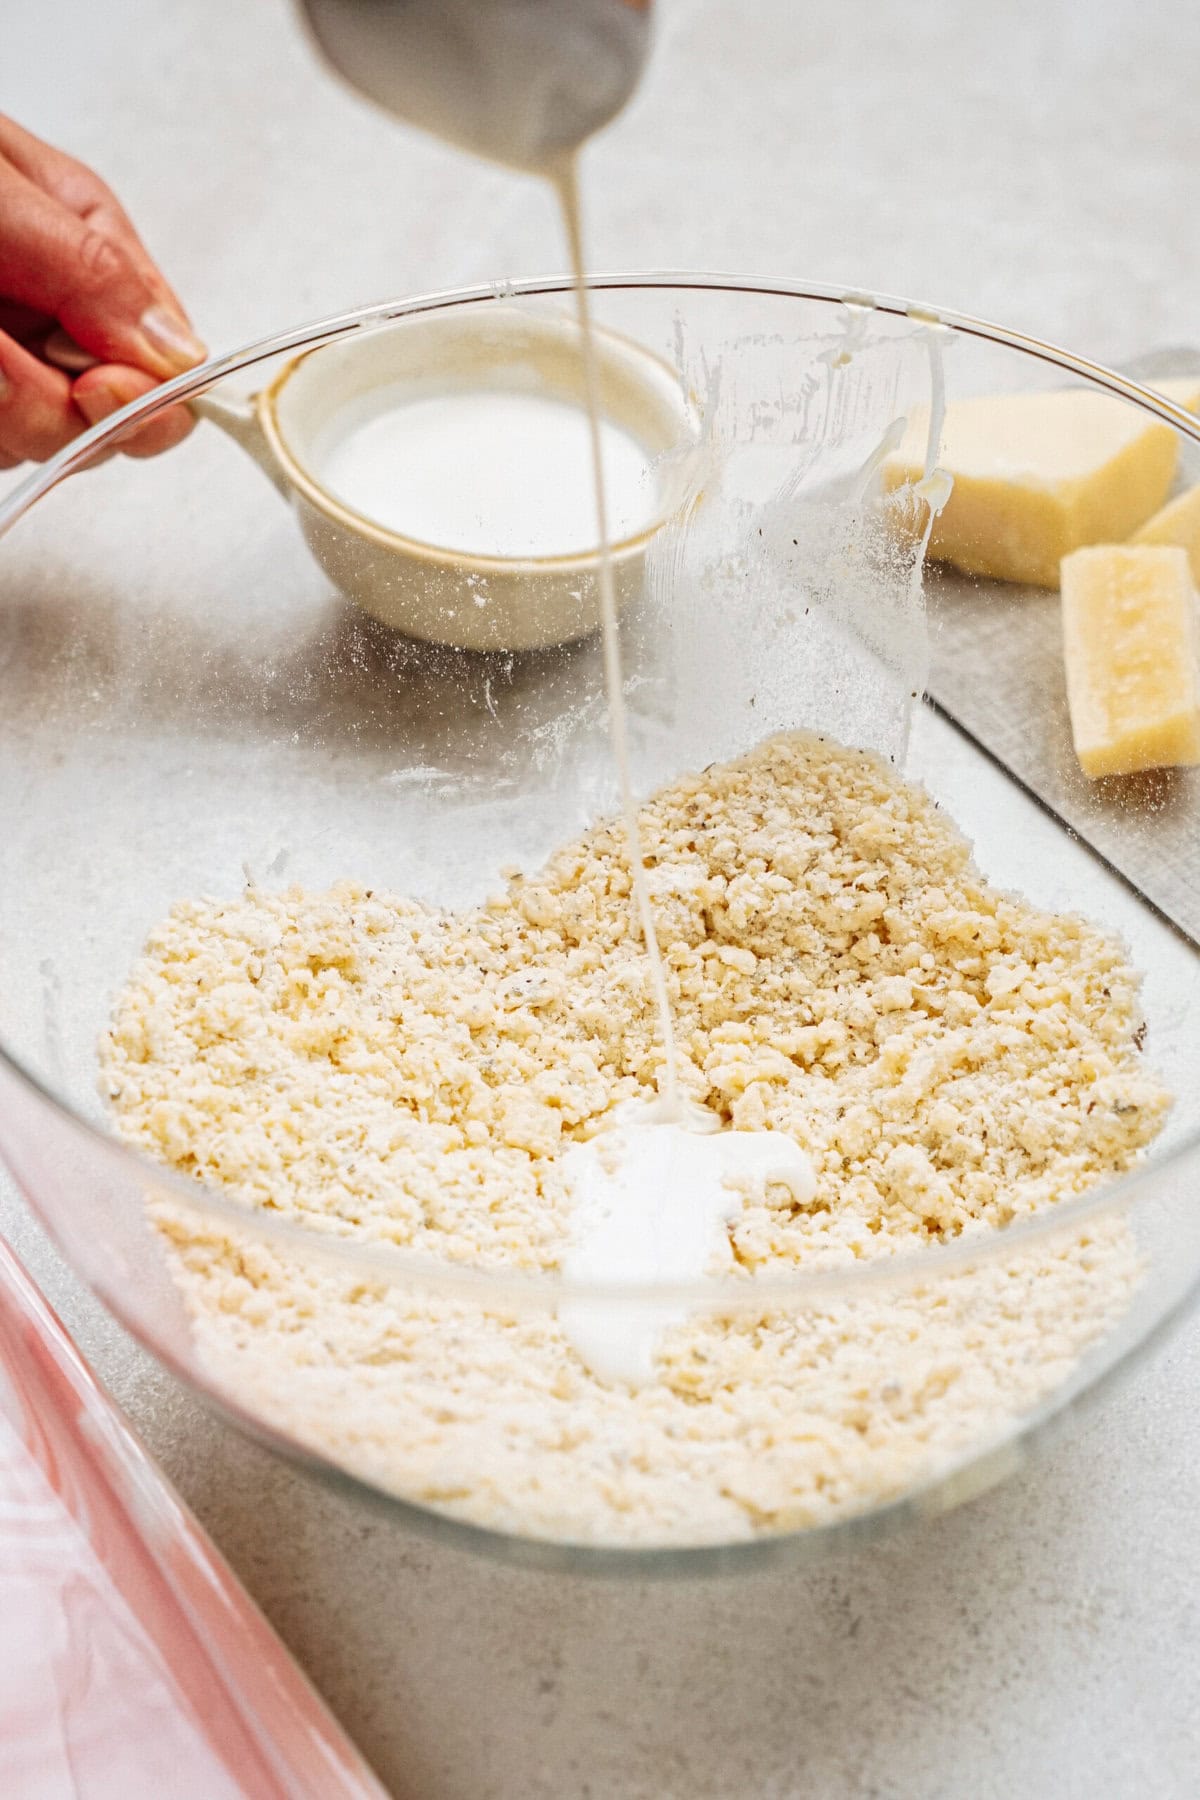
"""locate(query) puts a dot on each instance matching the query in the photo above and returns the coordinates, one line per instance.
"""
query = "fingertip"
(171, 339)
(104, 390)
(37, 417)
(159, 434)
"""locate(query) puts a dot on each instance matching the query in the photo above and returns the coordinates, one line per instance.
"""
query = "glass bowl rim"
(512, 1288)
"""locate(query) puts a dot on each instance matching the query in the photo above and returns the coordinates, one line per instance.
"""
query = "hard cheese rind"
(1038, 475)
(1129, 639)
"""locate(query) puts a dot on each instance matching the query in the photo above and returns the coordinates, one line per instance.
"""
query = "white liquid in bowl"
(489, 472)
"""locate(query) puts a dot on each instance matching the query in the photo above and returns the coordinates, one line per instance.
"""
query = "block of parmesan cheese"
(1129, 640)
(1037, 476)
(1178, 522)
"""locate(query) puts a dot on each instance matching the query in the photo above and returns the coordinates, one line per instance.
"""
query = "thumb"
(62, 265)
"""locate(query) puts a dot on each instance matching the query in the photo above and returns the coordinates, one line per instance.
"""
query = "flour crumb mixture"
(952, 1060)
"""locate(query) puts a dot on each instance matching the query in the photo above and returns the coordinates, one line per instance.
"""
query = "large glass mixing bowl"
(189, 702)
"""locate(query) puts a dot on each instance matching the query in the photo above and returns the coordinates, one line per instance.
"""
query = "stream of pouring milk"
(568, 194)
(653, 1197)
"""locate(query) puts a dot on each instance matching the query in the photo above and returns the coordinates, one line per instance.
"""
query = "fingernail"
(97, 402)
(170, 339)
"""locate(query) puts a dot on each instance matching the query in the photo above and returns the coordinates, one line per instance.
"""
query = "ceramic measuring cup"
(442, 594)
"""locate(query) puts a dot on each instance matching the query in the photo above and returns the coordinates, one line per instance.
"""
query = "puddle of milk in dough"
(653, 1199)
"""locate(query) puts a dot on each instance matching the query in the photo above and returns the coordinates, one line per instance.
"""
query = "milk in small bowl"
(441, 469)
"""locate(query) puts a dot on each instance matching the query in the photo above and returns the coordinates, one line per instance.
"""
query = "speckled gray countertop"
(1039, 164)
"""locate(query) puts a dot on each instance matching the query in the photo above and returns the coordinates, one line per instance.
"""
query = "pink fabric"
(131, 1661)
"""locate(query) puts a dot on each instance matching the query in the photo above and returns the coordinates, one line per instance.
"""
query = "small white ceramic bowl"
(436, 592)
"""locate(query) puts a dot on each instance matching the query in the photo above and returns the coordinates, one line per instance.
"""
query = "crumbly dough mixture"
(951, 1058)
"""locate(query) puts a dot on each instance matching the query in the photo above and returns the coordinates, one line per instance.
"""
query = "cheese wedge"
(1129, 640)
(1037, 476)
(1178, 522)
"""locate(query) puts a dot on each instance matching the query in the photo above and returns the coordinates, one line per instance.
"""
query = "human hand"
(70, 258)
